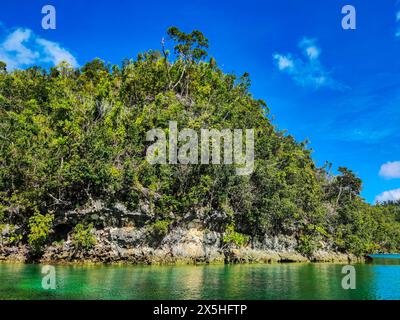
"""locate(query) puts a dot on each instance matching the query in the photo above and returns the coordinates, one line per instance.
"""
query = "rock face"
(131, 245)
(325, 256)
(128, 237)
(14, 253)
(123, 236)
(180, 246)
(103, 216)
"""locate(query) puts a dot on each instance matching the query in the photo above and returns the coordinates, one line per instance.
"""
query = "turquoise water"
(385, 256)
(377, 280)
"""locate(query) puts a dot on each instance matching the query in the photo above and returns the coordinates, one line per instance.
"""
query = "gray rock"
(102, 216)
(128, 237)
(276, 243)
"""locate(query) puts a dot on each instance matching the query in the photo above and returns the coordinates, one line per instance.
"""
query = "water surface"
(275, 281)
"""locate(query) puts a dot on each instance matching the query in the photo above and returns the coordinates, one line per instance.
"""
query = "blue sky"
(338, 88)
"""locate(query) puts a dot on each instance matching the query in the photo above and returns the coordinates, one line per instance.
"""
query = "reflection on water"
(377, 280)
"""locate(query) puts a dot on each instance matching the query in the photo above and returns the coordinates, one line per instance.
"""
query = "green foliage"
(190, 46)
(39, 230)
(232, 237)
(159, 229)
(307, 244)
(3, 67)
(83, 237)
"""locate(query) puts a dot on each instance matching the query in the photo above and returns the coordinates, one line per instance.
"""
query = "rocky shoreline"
(181, 246)
(124, 236)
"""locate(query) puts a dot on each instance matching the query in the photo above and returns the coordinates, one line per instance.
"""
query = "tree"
(347, 185)
(3, 67)
(189, 46)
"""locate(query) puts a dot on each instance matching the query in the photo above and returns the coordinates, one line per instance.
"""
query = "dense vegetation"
(69, 136)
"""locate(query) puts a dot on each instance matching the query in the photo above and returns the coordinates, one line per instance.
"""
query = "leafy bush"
(83, 237)
(307, 244)
(232, 237)
(39, 230)
(159, 229)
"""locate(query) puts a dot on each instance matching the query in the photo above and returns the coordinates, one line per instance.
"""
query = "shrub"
(159, 229)
(39, 230)
(307, 244)
(83, 237)
(235, 238)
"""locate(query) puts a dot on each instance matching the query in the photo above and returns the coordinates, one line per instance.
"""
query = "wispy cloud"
(14, 51)
(390, 195)
(310, 48)
(360, 113)
(307, 70)
(22, 48)
(398, 23)
(390, 170)
(54, 53)
(364, 133)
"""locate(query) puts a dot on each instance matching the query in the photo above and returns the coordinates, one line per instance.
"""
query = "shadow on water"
(385, 259)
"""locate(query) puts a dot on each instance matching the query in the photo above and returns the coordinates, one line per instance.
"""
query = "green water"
(277, 281)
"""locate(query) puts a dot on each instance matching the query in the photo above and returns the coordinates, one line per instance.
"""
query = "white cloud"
(14, 46)
(398, 23)
(55, 53)
(307, 71)
(390, 195)
(390, 170)
(22, 48)
(309, 48)
(284, 62)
